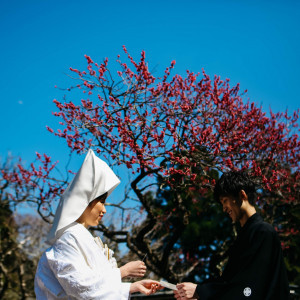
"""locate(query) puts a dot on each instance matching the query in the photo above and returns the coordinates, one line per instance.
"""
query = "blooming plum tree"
(175, 133)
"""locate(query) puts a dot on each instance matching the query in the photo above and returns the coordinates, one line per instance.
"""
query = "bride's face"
(94, 213)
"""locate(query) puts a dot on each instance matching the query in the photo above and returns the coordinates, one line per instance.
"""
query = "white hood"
(94, 179)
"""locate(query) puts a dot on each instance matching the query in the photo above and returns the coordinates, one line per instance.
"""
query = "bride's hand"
(145, 286)
(133, 269)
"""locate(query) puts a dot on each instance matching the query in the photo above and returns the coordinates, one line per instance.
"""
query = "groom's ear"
(243, 196)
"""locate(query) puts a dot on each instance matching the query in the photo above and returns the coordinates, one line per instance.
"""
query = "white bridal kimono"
(77, 266)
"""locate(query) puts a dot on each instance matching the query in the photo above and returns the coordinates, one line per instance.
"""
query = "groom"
(255, 268)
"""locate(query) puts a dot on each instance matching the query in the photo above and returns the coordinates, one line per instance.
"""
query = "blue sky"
(254, 43)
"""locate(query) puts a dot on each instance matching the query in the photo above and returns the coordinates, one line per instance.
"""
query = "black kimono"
(255, 268)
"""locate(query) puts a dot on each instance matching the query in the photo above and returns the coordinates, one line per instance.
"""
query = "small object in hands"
(168, 285)
(144, 257)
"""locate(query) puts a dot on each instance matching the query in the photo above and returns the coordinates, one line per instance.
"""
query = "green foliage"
(16, 270)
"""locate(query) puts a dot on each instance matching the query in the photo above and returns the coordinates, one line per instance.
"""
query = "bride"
(77, 265)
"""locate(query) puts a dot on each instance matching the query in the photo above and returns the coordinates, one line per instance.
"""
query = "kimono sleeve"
(78, 279)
